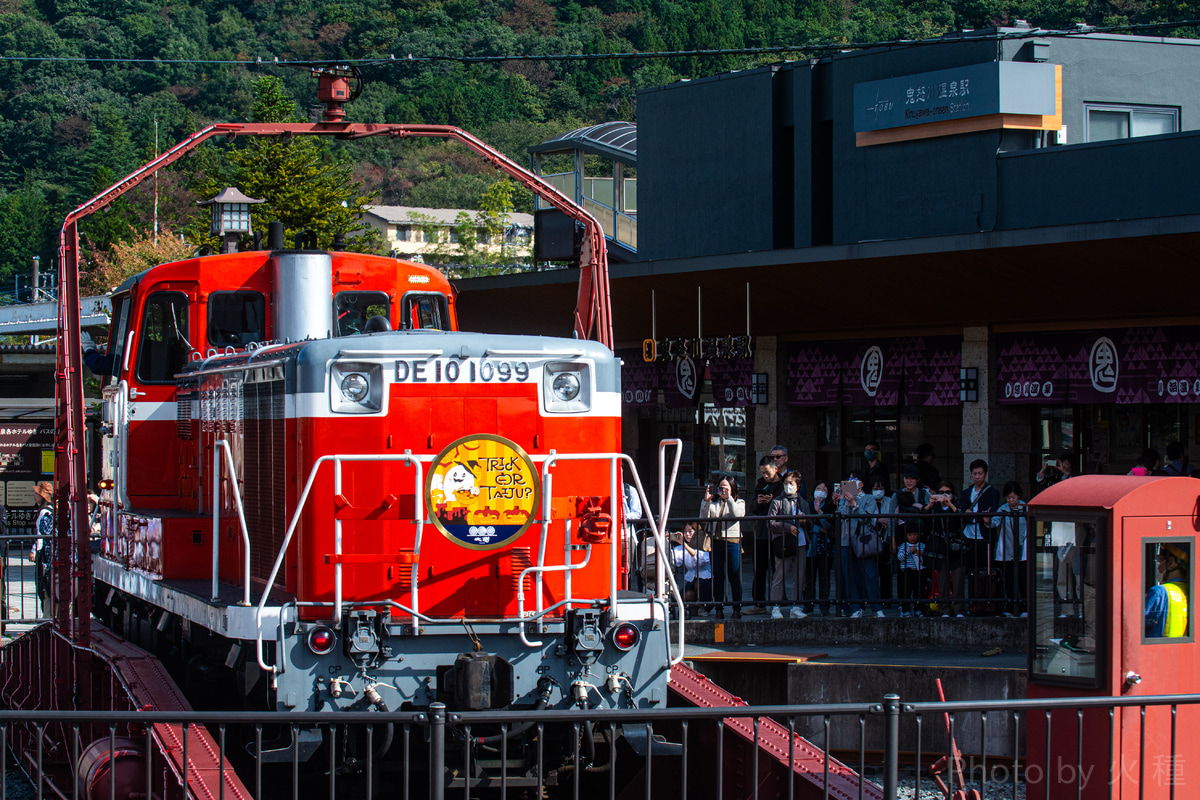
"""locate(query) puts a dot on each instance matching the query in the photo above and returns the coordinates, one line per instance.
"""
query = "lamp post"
(230, 217)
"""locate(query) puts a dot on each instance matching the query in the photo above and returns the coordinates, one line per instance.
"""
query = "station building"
(985, 242)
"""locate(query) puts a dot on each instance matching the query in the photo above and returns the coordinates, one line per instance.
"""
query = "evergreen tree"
(302, 183)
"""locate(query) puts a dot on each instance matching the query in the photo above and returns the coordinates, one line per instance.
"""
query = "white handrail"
(407, 458)
(539, 570)
(222, 446)
(658, 526)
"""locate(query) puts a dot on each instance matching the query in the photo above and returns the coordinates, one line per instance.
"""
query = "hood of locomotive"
(481, 414)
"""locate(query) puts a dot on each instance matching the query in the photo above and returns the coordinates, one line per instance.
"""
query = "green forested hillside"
(68, 128)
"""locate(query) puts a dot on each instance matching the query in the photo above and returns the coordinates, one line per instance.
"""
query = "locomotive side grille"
(522, 559)
(185, 399)
(265, 472)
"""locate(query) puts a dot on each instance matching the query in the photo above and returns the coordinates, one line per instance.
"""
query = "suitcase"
(985, 588)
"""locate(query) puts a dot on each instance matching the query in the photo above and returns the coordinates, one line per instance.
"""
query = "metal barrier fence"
(960, 574)
(21, 608)
(677, 752)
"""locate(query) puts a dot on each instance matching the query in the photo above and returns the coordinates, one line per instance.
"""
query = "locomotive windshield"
(1064, 607)
(353, 310)
(236, 318)
(164, 346)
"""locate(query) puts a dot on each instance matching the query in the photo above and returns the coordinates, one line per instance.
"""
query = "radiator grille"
(264, 472)
(521, 561)
(185, 399)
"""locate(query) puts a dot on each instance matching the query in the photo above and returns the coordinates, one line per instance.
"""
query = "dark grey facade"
(723, 159)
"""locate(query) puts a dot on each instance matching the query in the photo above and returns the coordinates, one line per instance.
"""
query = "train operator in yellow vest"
(1167, 603)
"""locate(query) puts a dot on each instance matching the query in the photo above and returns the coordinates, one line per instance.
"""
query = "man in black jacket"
(978, 498)
(766, 488)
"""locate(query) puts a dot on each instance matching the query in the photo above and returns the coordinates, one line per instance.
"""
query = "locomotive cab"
(1110, 556)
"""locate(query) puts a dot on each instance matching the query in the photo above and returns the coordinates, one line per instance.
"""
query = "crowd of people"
(855, 548)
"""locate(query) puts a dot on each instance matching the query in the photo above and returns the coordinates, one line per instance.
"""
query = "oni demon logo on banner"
(870, 374)
(482, 491)
(1103, 365)
(685, 377)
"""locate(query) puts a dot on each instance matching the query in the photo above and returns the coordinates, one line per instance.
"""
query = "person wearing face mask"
(886, 527)
(819, 561)
(1012, 547)
(860, 546)
(873, 467)
(789, 545)
(721, 502)
(767, 488)
(947, 546)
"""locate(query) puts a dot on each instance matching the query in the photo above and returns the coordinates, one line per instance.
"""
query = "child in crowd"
(914, 571)
(696, 563)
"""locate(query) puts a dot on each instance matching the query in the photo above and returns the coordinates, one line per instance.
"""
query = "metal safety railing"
(892, 749)
(949, 552)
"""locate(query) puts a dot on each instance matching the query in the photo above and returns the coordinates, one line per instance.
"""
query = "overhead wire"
(810, 47)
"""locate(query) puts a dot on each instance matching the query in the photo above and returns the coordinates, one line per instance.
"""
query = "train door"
(1156, 657)
(161, 346)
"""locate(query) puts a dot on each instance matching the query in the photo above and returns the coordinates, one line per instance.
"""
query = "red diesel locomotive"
(319, 495)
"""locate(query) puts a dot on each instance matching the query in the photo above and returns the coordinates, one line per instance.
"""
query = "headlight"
(355, 386)
(566, 386)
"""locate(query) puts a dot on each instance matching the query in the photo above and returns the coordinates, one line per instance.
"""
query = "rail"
(222, 446)
(893, 744)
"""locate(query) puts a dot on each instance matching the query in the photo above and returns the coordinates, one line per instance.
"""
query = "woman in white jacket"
(726, 508)
(1012, 547)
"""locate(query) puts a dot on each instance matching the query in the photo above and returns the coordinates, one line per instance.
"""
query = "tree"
(302, 183)
(123, 259)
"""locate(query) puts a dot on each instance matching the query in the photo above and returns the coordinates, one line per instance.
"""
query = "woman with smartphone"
(722, 504)
(860, 547)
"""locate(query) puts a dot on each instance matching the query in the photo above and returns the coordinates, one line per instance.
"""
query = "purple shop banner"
(931, 367)
(731, 378)
(872, 372)
(639, 380)
(814, 376)
(923, 370)
(681, 381)
(1120, 365)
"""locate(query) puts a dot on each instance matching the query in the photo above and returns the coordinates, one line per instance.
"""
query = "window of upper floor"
(1110, 121)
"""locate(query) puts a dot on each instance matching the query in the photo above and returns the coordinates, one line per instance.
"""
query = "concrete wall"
(817, 683)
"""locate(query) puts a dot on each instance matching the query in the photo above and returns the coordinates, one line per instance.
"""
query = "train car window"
(236, 318)
(118, 332)
(353, 310)
(164, 346)
(1167, 580)
(1065, 606)
(425, 310)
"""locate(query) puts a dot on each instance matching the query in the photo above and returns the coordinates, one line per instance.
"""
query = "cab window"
(118, 332)
(236, 318)
(426, 310)
(353, 310)
(1167, 581)
(1065, 607)
(164, 346)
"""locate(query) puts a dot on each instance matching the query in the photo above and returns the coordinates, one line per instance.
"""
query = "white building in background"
(418, 233)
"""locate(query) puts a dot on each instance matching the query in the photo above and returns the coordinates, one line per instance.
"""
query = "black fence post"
(437, 751)
(891, 745)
